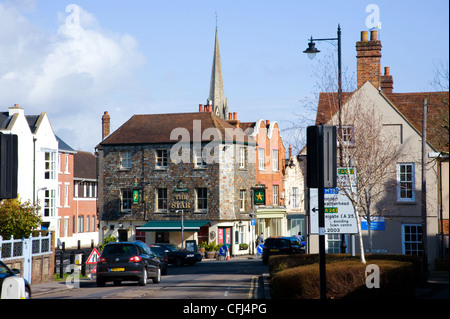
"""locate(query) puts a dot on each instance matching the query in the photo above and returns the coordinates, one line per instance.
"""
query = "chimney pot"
(364, 36)
(210, 108)
(267, 122)
(200, 107)
(234, 116)
(373, 35)
(290, 151)
(386, 70)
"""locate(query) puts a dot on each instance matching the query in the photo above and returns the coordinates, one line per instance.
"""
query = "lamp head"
(311, 51)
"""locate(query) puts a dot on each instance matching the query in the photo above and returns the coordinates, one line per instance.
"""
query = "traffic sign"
(93, 257)
(223, 250)
(340, 216)
(259, 249)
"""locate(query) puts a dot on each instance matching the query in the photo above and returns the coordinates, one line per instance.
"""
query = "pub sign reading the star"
(259, 197)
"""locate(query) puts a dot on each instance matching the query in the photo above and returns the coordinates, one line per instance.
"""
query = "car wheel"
(143, 280)
(157, 279)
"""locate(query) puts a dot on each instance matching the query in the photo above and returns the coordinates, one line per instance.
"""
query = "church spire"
(216, 92)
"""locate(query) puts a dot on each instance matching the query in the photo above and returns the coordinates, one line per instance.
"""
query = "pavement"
(437, 286)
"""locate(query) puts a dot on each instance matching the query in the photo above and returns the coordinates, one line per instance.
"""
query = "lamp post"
(311, 51)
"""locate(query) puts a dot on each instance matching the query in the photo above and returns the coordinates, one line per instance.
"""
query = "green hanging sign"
(259, 197)
(135, 196)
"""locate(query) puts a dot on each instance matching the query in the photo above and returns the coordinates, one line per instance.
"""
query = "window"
(80, 224)
(295, 197)
(242, 157)
(275, 194)
(49, 203)
(93, 223)
(125, 160)
(50, 165)
(202, 198)
(275, 160)
(126, 200)
(161, 158)
(66, 195)
(405, 182)
(66, 226)
(412, 239)
(348, 135)
(162, 199)
(333, 243)
(242, 200)
(66, 163)
(198, 158)
(88, 224)
(261, 158)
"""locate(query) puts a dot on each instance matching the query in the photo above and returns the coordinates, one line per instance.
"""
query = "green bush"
(297, 276)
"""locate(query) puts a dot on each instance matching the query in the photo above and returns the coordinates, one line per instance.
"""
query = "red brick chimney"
(105, 125)
(387, 82)
(368, 59)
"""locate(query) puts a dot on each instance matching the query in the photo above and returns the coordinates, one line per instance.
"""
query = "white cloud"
(73, 73)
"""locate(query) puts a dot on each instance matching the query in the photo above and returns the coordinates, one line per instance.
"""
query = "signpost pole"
(321, 198)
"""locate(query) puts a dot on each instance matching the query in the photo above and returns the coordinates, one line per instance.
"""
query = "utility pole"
(424, 190)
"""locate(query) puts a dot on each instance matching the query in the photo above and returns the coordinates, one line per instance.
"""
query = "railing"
(14, 248)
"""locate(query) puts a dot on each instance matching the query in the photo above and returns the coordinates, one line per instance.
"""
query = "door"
(225, 237)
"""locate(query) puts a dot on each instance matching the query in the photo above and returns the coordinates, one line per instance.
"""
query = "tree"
(373, 149)
(18, 219)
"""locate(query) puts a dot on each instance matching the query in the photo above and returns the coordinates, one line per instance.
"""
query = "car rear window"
(120, 250)
(276, 243)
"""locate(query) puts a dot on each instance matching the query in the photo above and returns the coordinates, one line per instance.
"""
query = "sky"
(77, 59)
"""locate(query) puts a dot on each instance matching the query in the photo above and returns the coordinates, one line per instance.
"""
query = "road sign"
(93, 257)
(259, 249)
(223, 250)
(340, 216)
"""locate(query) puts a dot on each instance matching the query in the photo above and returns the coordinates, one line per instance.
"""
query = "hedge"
(297, 276)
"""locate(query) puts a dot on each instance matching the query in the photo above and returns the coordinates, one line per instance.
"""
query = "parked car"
(281, 246)
(160, 252)
(125, 261)
(179, 257)
(5, 272)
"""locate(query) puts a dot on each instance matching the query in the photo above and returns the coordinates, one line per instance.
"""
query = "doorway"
(225, 237)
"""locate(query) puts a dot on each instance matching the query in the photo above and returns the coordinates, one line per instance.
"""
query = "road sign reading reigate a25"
(340, 217)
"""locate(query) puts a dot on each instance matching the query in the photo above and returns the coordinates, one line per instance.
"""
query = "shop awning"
(270, 213)
(173, 225)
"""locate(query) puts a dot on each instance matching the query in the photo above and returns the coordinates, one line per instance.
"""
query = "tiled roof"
(157, 128)
(84, 165)
(410, 105)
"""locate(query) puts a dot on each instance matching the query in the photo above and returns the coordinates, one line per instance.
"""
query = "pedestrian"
(299, 237)
(260, 239)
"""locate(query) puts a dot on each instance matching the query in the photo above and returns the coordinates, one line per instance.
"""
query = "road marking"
(253, 283)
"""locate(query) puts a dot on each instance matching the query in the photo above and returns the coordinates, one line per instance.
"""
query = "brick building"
(157, 168)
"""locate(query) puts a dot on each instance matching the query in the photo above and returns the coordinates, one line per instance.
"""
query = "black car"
(124, 261)
(281, 246)
(160, 252)
(5, 272)
(179, 257)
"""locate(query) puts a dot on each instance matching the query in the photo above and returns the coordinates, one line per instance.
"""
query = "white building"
(37, 160)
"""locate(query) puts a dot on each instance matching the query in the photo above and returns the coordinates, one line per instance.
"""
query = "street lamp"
(311, 51)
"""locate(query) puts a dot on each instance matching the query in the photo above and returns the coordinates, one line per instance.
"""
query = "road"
(238, 278)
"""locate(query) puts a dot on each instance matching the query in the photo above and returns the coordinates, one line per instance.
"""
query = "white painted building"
(37, 160)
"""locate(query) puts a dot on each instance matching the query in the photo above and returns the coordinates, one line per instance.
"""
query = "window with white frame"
(275, 194)
(348, 135)
(125, 160)
(198, 158)
(242, 194)
(275, 160)
(66, 163)
(202, 198)
(412, 239)
(295, 197)
(126, 200)
(66, 195)
(162, 158)
(261, 158)
(162, 199)
(49, 203)
(405, 182)
(242, 157)
(50, 165)
(80, 224)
